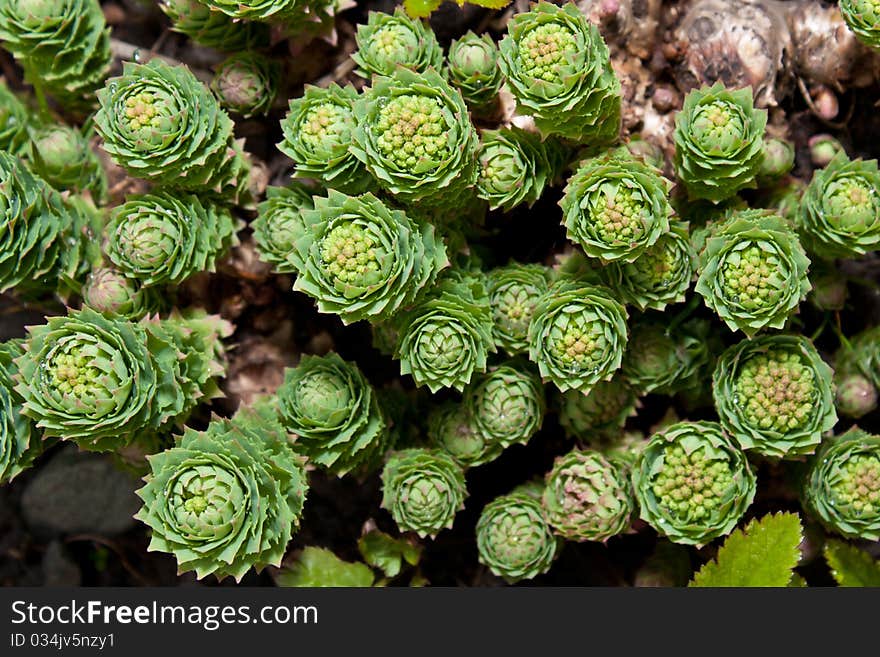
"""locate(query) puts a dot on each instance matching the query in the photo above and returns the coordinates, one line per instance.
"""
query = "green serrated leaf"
(420, 8)
(418, 580)
(764, 554)
(851, 566)
(388, 553)
(797, 582)
(489, 4)
(320, 567)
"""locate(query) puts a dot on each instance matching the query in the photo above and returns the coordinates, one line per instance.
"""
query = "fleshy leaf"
(388, 553)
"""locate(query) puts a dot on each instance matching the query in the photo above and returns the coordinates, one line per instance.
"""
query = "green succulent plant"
(387, 41)
(20, 441)
(14, 122)
(863, 18)
(423, 489)
(839, 213)
(279, 224)
(472, 67)
(587, 497)
(414, 136)
(112, 293)
(160, 123)
(774, 394)
(719, 142)
(515, 167)
(857, 373)
(452, 428)
(64, 159)
(361, 259)
(165, 237)
(577, 335)
(317, 137)
(600, 412)
(214, 29)
(513, 538)
(226, 499)
(62, 45)
(829, 286)
(246, 83)
(105, 381)
(514, 291)
(692, 483)
(558, 68)
(777, 161)
(753, 272)
(333, 413)
(842, 488)
(281, 12)
(615, 209)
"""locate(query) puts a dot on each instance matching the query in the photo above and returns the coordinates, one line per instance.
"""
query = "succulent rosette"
(514, 291)
(577, 335)
(447, 336)
(857, 373)
(423, 489)
(661, 357)
(164, 238)
(719, 142)
(515, 168)
(279, 224)
(268, 11)
(63, 158)
(387, 41)
(660, 276)
(451, 427)
(333, 413)
(112, 293)
(839, 214)
(616, 208)
(415, 137)
(842, 488)
(598, 413)
(692, 482)
(774, 395)
(63, 45)
(361, 259)
(227, 499)
(160, 123)
(20, 441)
(863, 18)
(472, 67)
(513, 538)
(13, 122)
(246, 83)
(214, 29)
(587, 497)
(559, 70)
(317, 137)
(753, 272)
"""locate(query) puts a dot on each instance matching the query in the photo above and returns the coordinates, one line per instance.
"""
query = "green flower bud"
(774, 395)
(226, 499)
(13, 122)
(857, 373)
(840, 211)
(577, 335)
(279, 224)
(855, 396)
(587, 497)
(360, 259)
(829, 286)
(598, 413)
(165, 238)
(214, 29)
(513, 538)
(514, 168)
(753, 272)
(247, 83)
(558, 68)
(514, 291)
(615, 209)
(317, 136)
(111, 293)
(777, 161)
(472, 66)
(333, 412)
(423, 489)
(692, 483)
(62, 156)
(20, 441)
(387, 41)
(842, 489)
(823, 149)
(863, 18)
(719, 142)
(451, 427)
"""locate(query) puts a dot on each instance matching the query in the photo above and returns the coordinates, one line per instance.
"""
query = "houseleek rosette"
(616, 208)
(842, 488)
(513, 538)
(105, 381)
(719, 142)
(863, 18)
(451, 427)
(472, 67)
(288, 13)
(753, 272)
(279, 224)
(514, 291)
(112, 293)
(214, 29)
(423, 489)
(164, 238)
(577, 335)
(63, 157)
(660, 276)
(246, 83)
(160, 123)
(774, 395)
(587, 497)
(333, 413)
(387, 41)
(692, 482)
(661, 358)
(558, 68)
(13, 122)
(20, 441)
(317, 137)
(857, 373)
(447, 336)
(415, 137)
(63, 45)
(514, 168)
(227, 499)
(839, 214)
(360, 259)
(601, 411)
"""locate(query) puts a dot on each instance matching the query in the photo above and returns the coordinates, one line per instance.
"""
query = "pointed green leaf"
(320, 567)
(420, 8)
(851, 566)
(388, 553)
